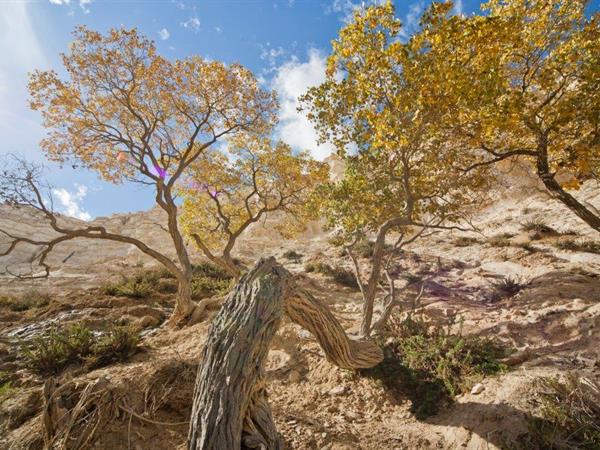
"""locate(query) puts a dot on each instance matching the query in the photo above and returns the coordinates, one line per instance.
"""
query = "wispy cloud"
(271, 54)
(291, 80)
(410, 22)
(345, 8)
(83, 4)
(71, 202)
(22, 52)
(193, 23)
(218, 29)
(458, 7)
(164, 34)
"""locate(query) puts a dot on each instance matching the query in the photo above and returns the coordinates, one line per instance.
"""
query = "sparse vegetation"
(505, 288)
(339, 274)
(537, 226)
(208, 279)
(26, 301)
(528, 247)
(293, 256)
(78, 345)
(203, 287)
(573, 245)
(569, 414)
(500, 240)
(6, 386)
(465, 241)
(431, 364)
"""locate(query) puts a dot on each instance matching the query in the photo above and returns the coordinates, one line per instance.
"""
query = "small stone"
(294, 376)
(323, 435)
(303, 334)
(337, 390)
(477, 389)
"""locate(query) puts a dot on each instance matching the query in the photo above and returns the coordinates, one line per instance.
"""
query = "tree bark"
(230, 409)
(556, 189)
(230, 406)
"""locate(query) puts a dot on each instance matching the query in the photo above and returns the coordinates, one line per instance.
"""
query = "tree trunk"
(309, 313)
(230, 406)
(230, 409)
(184, 305)
(556, 189)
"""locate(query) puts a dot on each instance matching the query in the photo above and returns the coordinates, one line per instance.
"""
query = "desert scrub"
(28, 300)
(339, 274)
(573, 245)
(431, 365)
(203, 287)
(500, 240)
(78, 345)
(537, 226)
(465, 241)
(292, 255)
(507, 287)
(569, 414)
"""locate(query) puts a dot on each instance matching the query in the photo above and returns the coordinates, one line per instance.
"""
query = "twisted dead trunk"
(230, 409)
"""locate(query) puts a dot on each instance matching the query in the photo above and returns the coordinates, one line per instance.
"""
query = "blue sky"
(284, 42)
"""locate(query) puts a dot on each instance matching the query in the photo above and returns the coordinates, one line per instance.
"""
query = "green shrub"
(6, 390)
(203, 287)
(210, 270)
(77, 345)
(50, 354)
(573, 245)
(118, 344)
(28, 300)
(130, 287)
(432, 365)
(569, 414)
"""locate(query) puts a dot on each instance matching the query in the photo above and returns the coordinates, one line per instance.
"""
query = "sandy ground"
(553, 324)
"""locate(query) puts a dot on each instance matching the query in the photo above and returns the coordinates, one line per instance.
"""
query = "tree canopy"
(226, 192)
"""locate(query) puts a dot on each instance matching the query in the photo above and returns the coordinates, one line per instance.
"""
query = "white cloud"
(22, 52)
(291, 80)
(345, 8)
(71, 202)
(410, 22)
(218, 29)
(164, 34)
(271, 54)
(458, 7)
(193, 23)
(83, 4)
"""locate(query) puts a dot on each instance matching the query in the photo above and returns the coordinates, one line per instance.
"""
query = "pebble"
(477, 389)
(337, 390)
(294, 376)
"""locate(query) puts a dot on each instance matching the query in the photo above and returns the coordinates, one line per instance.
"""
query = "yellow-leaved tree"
(401, 176)
(521, 81)
(132, 115)
(225, 192)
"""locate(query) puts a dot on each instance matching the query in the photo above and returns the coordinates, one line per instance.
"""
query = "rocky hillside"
(530, 278)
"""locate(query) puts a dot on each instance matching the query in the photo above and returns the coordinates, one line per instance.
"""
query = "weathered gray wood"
(230, 409)
(229, 394)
